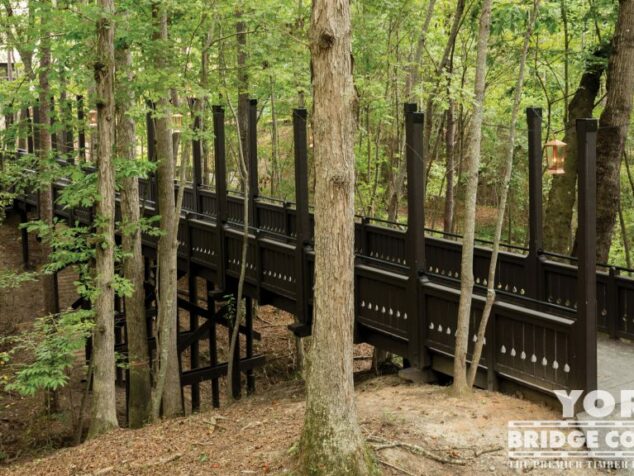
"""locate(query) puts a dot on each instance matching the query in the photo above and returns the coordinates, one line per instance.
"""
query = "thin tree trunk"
(450, 142)
(166, 392)
(626, 243)
(243, 79)
(104, 409)
(472, 159)
(240, 310)
(45, 149)
(139, 408)
(275, 172)
(510, 147)
(613, 127)
(44, 146)
(414, 69)
(331, 441)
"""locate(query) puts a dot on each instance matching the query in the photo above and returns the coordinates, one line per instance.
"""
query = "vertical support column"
(24, 236)
(221, 190)
(235, 378)
(414, 124)
(213, 346)
(252, 158)
(535, 281)
(192, 285)
(249, 345)
(302, 232)
(151, 152)
(197, 155)
(53, 124)
(69, 142)
(30, 146)
(81, 135)
(612, 305)
(584, 335)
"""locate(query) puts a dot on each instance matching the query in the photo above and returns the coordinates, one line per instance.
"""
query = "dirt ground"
(258, 435)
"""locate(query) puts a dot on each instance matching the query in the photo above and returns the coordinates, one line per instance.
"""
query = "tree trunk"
(139, 409)
(104, 409)
(472, 159)
(450, 143)
(562, 195)
(45, 148)
(613, 127)
(243, 80)
(510, 148)
(331, 441)
(166, 393)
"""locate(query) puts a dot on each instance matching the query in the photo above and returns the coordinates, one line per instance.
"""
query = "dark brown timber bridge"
(542, 333)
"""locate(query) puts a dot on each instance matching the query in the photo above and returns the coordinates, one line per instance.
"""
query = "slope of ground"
(257, 435)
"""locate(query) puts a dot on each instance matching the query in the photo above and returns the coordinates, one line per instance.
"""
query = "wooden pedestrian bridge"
(543, 331)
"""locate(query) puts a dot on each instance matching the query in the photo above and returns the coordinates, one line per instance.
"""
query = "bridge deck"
(616, 365)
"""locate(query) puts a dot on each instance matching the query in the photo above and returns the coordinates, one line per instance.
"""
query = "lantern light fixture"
(556, 156)
(177, 122)
(92, 118)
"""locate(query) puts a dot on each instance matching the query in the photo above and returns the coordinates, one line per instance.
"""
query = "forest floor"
(258, 434)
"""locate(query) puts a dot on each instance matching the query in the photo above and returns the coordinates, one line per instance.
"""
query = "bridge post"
(534, 281)
(30, 146)
(414, 153)
(192, 287)
(302, 227)
(81, 134)
(584, 333)
(252, 160)
(197, 155)
(24, 236)
(221, 190)
(151, 154)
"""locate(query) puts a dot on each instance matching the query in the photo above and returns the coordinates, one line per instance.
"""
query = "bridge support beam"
(302, 230)
(221, 189)
(534, 282)
(418, 356)
(585, 329)
(24, 236)
(252, 160)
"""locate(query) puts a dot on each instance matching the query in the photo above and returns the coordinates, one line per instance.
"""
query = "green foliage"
(52, 346)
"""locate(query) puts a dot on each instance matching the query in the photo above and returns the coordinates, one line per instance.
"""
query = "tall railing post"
(197, 155)
(302, 221)
(30, 146)
(221, 189)
(612, 305)
(81, 134)
(252, 165)
(584, 344)
(151, 153)
(414, 154)
(535, 281)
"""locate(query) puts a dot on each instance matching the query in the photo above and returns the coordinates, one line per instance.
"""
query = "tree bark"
(243, 80)
(139, 408)
(104, 409)
(472, 159)
(45, 149)
(562, 195)
(510, 148)
(166, 393)
(613, 127)
(331, 441)
(450, 147)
